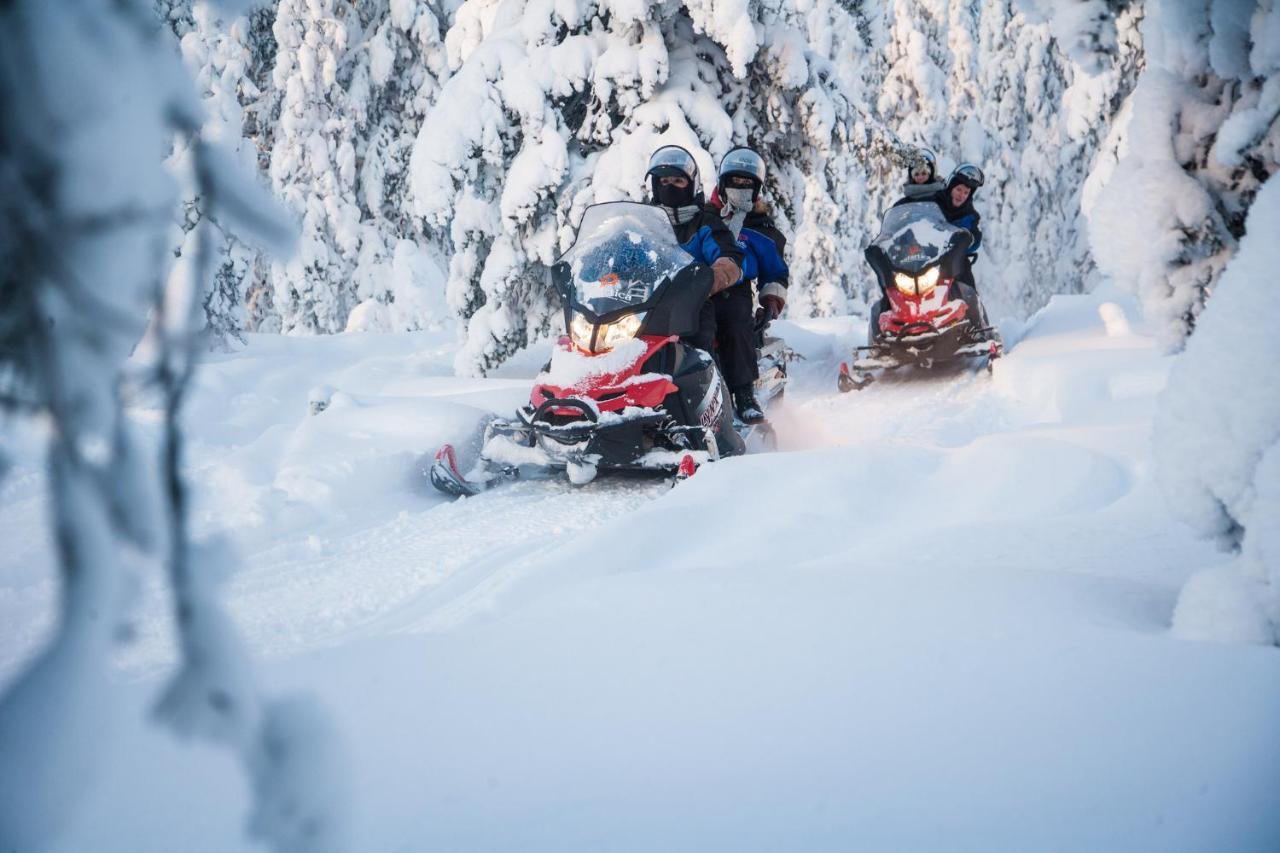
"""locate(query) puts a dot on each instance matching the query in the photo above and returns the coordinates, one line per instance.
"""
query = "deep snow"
(938, 621)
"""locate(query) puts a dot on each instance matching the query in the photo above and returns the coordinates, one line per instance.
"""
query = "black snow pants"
(967, 289)
(726, 329)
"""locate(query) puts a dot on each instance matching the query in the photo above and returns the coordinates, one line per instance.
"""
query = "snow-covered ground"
(938, 620)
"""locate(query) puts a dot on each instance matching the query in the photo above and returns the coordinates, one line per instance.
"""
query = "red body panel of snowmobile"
(914, 314)
(616, 390)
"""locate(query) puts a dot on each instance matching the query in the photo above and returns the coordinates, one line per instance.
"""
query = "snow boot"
(746, 407)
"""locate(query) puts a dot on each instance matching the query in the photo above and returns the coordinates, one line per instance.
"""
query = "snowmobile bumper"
(632, 439)
(921, 346)
(570, 435)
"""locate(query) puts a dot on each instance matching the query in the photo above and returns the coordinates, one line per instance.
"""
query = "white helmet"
(742, 162)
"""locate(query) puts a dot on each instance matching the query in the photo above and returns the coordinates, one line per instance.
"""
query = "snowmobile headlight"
(606, 335)
(580, 330)
(613, 334)
(927, 282)
(921, 286)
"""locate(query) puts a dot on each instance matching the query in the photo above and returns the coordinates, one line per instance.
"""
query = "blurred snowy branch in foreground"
(93, 97)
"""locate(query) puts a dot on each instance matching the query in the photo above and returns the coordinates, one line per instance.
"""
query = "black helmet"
(742, 162)
(673, 161)
(922, 158)
(968, 174)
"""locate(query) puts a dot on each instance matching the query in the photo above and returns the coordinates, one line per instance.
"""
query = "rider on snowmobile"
(673, 186)
(956, 202)
(737, 196)
(922, 177)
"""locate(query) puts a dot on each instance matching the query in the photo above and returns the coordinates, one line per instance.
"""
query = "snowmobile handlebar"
(565, 403)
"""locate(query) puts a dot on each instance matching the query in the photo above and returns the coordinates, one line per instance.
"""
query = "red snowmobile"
(622, 390)
(927, 315)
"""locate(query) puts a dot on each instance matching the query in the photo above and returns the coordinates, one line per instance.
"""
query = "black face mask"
(669, 195)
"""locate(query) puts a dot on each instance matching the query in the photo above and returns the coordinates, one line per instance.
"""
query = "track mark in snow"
(947, 407)
(315, 592)
(538, 519)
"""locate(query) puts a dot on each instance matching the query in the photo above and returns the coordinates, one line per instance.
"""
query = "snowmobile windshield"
(624, 252)
(915, 236)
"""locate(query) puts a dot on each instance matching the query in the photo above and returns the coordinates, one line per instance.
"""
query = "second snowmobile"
(927, 315)
(622, 390)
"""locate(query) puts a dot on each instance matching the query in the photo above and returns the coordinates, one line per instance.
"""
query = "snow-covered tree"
(1205, 134)
(552, 107)
(1085, 30)
(1217, 437)
(398, 78)
(224, 55)
(91, 97)
(1200, 139)
(313, 163)
(913, 99)
(964, 91)
(1038, 114)
(350, 86)
(471, 137)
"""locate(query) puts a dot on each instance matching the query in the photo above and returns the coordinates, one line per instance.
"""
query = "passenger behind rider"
(673, 186)
(737, 196)
(922, 177)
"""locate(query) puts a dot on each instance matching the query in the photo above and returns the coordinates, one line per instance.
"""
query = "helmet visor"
(672, 158)
(744, 162)
(970, 175)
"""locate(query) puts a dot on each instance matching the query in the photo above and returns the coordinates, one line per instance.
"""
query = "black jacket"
(965, 216)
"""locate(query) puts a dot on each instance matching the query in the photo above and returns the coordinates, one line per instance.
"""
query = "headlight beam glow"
(922, 285)
(606, 335)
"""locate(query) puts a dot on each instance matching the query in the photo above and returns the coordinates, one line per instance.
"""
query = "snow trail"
(938, 620)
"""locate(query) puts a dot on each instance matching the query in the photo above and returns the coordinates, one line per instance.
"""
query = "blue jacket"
(762, 259)
(970, 222)
(707, 239)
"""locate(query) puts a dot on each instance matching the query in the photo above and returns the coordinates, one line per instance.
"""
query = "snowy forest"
(439, 156)
(259, 257)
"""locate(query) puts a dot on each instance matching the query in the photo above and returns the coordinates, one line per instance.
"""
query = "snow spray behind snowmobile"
(622, 390)
(927, 316)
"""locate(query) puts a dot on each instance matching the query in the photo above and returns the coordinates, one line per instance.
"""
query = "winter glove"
(773, 298)
(726, 273)
(770, 308)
